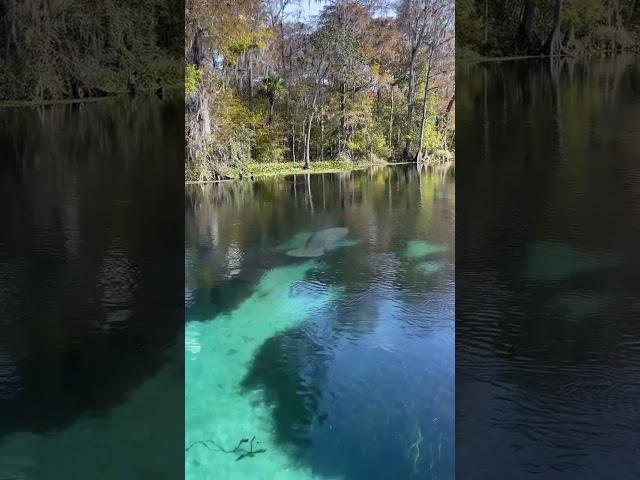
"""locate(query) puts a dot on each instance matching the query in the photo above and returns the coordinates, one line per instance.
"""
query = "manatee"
(548, 261)
(320, 242)
(419, 249)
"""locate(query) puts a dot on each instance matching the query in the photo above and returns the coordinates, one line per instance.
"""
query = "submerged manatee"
(319, 242)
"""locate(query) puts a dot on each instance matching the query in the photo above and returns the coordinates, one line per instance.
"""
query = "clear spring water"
(91, 299)
(340, 366)
(547, 304)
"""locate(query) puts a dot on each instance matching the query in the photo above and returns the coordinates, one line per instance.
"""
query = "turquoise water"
(336, 367)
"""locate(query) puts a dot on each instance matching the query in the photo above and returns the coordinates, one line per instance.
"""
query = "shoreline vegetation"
(268, 87)
(261, 170)
(76, 51)
(579, 29)
(476, 59)
(73, 101)
(264, 170)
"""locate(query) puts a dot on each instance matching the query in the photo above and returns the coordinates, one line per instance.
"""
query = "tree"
(273, 88)
(528, 41)
(439, 34)
(553, 46)
(262, 85)
(417, 19)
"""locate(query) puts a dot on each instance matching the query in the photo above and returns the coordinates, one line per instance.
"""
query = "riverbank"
(169, 89)
(255, 170)
(262, 170)
(469, 57)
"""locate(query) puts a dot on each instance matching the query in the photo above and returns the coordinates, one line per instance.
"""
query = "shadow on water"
(361, 388)
(88, 257)
(547, 265)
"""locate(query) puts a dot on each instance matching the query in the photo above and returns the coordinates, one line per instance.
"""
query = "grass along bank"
(256, 170)
(284, 168)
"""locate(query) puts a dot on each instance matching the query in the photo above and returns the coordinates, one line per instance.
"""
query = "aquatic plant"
(244, 453)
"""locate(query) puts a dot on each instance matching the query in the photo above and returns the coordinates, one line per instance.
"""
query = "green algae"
(420, 248)
(216, 407)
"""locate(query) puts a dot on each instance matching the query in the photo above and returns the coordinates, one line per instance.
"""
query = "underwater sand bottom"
(219, 353)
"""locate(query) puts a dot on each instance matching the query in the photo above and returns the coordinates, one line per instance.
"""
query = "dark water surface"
(547, 301)
(342, 366)
(91, 299)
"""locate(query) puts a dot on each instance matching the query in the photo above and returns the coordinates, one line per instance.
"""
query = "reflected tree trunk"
(309, 195)
(485, 110)
(555, 68)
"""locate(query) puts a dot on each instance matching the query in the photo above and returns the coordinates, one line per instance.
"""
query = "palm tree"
(273, 88)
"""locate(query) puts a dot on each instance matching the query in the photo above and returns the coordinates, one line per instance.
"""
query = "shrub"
(192, 79)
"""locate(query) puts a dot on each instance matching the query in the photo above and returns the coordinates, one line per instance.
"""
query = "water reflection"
(90, 289)
(547, 241)
(341, 365)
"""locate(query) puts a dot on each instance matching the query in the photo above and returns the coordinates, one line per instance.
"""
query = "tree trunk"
(197, 54)
(198, 121)
(553, 45)
(447, 114)
(307, 156)
(303, 141)
(250, 78)
(617, 15)
(293, 144)
(554, 73)
(321, 135)
(410, 96)
(527, 40)
(425, 104)
(391, 120)
(486, 21)
(343, 105)
(269, 120)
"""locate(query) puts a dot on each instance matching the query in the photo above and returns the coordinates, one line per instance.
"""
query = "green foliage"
(269, 148)
(78, 48)
(289, 168)
(239, 146)
(581, 22)
(345, 96)
(192, 79)
(432, 137)
(369, 144)
(607, 35)
(582, 15)
(273, 87)
(348, 60)
(240, 42)
(467, 15)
